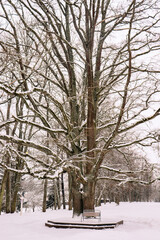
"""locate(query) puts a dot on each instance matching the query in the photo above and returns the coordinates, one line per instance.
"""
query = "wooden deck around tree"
(82, 225)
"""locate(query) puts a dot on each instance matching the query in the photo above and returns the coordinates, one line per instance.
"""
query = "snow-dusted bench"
(91, 214)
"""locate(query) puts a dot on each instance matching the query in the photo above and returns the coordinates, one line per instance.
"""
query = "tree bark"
(58, 194)
(83, 199)
(44, 196)
(76, 196)
(63, 192)
(57, 202)
(16, 189)
(70, 198)
(8, 193)
(89, 196)
(3, 185)
(8, 180)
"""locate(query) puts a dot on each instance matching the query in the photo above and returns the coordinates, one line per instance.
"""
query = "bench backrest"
(91, 214)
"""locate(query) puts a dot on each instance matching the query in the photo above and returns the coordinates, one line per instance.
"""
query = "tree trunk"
(77, 197)
(44, 196)
(63, 193)
(8, 193)
(55, 194)
(17, 182)
(77, 203)
(8, 180)
(57, 202)
(16, 189)
(58, 194)
(89, 196)
(83, 198)
(70, 198)
(2, 189)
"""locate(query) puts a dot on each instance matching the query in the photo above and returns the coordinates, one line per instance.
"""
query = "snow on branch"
(47, 129)
(13, 169)
(121, 171)
(142, 121)
(28, 144)
(5, 123)
(126, 179)
(138, 141)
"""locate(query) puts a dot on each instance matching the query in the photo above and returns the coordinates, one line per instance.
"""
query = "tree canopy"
(78, 79)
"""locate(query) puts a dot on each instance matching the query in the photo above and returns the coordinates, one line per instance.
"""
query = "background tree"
(118, 166)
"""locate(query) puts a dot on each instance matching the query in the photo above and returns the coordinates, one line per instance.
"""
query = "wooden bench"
(91, 214)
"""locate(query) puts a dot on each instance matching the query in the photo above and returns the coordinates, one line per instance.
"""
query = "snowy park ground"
(141, 222)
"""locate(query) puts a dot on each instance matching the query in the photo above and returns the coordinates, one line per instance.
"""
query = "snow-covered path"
(141, 222)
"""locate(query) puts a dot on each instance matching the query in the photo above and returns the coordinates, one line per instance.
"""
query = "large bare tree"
(87, 72)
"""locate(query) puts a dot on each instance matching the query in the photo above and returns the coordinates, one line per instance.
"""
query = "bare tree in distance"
(99, 63)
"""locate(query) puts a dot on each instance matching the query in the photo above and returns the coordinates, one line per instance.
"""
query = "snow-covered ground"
(141, 222)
